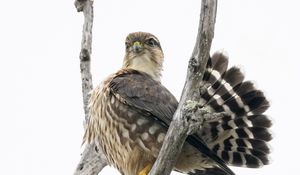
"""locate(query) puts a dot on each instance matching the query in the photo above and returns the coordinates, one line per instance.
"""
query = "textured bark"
(185, 121)
(92, 159)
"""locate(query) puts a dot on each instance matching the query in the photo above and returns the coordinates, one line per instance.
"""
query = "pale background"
(41, 124)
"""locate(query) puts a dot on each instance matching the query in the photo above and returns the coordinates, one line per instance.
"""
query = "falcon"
(130, 112)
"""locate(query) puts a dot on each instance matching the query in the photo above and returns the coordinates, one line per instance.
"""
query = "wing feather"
(141, 91)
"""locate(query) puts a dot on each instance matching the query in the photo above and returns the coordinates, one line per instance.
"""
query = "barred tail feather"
(240, 137)
(215, 68)
(208, 171)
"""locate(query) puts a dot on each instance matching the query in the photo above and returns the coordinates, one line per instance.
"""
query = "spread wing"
(140, 91)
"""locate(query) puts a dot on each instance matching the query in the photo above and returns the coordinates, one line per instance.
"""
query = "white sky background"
(40, 94)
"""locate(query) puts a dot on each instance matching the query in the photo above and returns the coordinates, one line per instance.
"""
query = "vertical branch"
(182, 125)
(86, 50)
(92, 159)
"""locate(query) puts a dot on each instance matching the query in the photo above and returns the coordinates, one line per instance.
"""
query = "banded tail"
(240, 137)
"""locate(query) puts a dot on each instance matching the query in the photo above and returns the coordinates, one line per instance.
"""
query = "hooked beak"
(137, 47)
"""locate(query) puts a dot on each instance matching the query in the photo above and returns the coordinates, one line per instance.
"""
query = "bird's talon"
(145, 170)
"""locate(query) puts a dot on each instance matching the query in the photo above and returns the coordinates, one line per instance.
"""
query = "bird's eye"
(127, 45)
(152, 42)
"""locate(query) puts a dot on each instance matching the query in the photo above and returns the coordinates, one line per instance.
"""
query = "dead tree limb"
(92, 159)
(184, 120)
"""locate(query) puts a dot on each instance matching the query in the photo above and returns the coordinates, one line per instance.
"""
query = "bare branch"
(92, 159)
(184, 121)
(86, 51)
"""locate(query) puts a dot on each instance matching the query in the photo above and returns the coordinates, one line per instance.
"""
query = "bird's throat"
(145, 64)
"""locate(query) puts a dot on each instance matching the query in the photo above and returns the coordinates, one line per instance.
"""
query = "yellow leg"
(145, 170)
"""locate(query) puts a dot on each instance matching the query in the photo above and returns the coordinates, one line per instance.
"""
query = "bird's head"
(144, 53)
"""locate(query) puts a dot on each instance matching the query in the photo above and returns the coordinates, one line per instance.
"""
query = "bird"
(130, 112)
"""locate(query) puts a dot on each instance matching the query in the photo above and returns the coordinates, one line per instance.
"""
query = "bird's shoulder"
(139, 90)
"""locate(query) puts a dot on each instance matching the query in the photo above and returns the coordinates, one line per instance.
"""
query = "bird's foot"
(145, 170)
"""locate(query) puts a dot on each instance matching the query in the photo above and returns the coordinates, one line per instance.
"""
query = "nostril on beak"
(137, 47)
